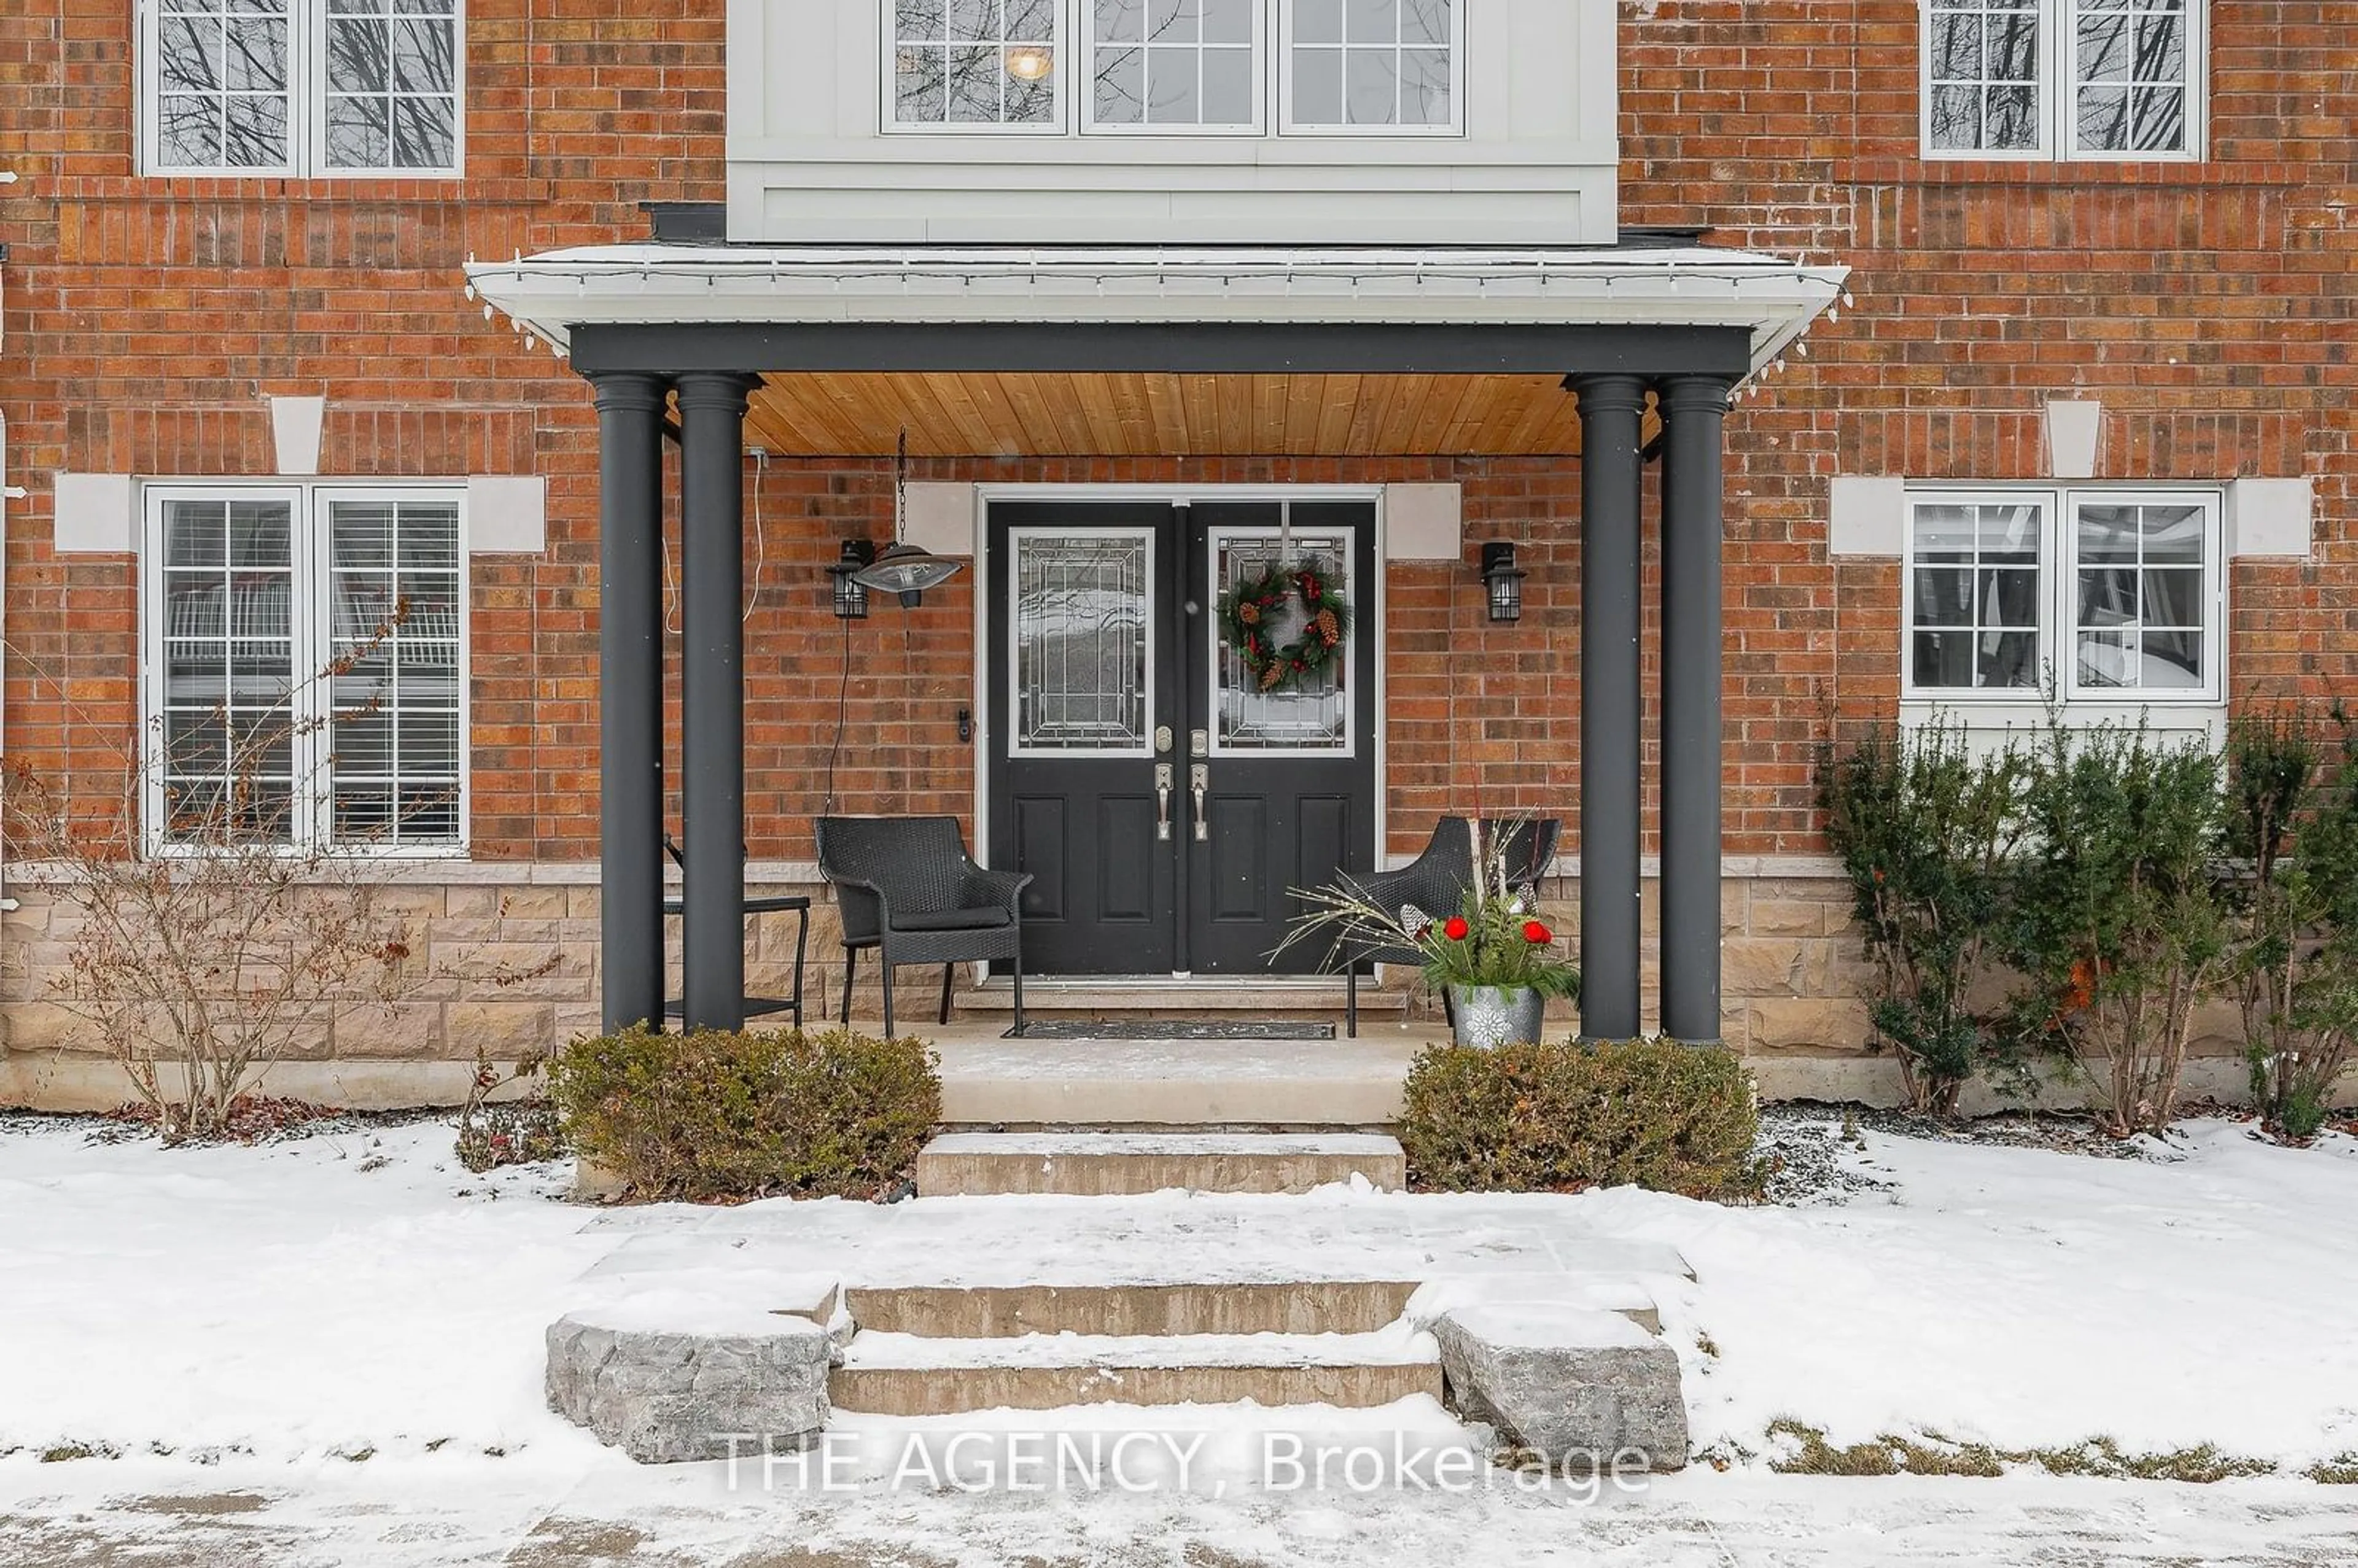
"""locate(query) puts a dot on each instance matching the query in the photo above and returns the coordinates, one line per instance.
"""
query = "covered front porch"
(1087, 360)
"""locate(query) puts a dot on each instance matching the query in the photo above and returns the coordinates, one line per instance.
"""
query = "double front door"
(1165, 786)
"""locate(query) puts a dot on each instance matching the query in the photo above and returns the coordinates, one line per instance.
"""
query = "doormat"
(1169, 1028)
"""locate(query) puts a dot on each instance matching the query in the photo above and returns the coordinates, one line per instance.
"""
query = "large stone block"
(673, 1376)
(1566, 1383)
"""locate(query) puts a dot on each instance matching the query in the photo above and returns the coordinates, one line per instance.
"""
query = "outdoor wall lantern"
(850, 595)
(1504, 581)
(905, 568)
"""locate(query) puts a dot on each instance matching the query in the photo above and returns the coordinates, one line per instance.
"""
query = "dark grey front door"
(1163, 801)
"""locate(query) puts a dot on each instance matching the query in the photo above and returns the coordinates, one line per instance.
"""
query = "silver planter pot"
(1489, 1016)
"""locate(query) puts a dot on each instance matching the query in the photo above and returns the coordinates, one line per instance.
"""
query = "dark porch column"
(1694, 411)
(712, 732)
(630, 696)
(1610, 471)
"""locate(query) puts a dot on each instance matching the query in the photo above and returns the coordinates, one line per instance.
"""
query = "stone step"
(1100, 1164)
(907, 1375)
(1238, 1307)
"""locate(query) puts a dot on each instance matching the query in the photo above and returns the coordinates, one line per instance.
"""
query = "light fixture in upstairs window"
(848, 595)
(1504, 581)
(1030, 62)
(905, 568)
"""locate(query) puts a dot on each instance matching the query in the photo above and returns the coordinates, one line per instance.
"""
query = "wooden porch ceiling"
(1161, 415)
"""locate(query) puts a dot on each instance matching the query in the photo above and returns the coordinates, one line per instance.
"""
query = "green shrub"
(1559, 1116)
(2291, 832)
(710, 1115)
(1927, 831)
(2120, 924)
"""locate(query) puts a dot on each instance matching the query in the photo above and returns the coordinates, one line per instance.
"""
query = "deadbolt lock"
(1163, 739)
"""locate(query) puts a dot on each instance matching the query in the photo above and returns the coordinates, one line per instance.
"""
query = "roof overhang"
(568, 298)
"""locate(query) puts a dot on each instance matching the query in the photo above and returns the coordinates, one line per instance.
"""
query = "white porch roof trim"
(1688, 286)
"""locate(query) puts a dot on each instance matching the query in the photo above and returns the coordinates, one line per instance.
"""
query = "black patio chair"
(907, 887)
(1436, 882)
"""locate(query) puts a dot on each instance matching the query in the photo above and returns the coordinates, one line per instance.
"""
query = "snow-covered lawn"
(281, 1312)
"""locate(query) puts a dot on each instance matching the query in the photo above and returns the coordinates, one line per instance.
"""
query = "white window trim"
(1059, 121)
(309, 562)
(1282, 63)
(306, 109)
(2059, 598)
(1074, 111)
(2198, 93)
(1262, 88)
(2059, 85)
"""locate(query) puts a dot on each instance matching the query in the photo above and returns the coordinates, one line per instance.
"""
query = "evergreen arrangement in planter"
(715, 1116)
(1494, 956)
(1561, 1115)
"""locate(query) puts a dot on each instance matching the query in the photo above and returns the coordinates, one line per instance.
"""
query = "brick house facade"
(2205, 305)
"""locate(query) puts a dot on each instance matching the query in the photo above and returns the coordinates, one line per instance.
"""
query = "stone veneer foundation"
(505, 959)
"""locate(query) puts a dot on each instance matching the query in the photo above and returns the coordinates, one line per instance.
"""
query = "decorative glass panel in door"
(1084, 658)
(1260, 705)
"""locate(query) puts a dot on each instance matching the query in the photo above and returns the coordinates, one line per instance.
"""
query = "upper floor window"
(1355, 64)
(306, 673)
(301, 87)
(2063, 79)
(1182, 66)
(2114, 594)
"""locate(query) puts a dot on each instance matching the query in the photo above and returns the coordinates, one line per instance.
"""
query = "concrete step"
(1241, 1307)
(1273, 994)
(1101, 1164)
(993, 1082)
(905, 1375)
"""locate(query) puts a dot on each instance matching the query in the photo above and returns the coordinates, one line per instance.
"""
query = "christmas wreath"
(1253, 618)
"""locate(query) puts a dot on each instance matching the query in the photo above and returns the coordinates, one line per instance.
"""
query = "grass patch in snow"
(2340, 1471)
(1802, 1450)
(60, 1453)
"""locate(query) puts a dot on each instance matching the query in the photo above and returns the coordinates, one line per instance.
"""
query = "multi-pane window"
(972, 64)
(2142, 595)
(303, 87)
(1199, 66)
(2097, 79)
(2099, 594)
(1355, 63)
(1975, 576)
(307, 683)
(1193, 63)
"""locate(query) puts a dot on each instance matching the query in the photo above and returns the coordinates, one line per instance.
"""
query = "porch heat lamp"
(1504, 581)
(905, 568)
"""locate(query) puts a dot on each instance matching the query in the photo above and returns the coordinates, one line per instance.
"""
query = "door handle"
(1199, 779)
(1163, 776)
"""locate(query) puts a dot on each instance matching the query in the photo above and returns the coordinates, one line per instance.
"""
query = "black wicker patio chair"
(907, 887)
(1436, 882)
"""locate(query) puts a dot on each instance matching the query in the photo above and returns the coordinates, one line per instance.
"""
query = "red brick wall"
(2210, 306)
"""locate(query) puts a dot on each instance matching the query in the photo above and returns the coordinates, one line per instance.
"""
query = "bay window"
(1203, 66)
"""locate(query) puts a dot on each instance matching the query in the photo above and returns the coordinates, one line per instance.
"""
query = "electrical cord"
(842, 701)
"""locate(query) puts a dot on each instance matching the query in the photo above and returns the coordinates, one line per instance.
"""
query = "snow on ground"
(360, 1293)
